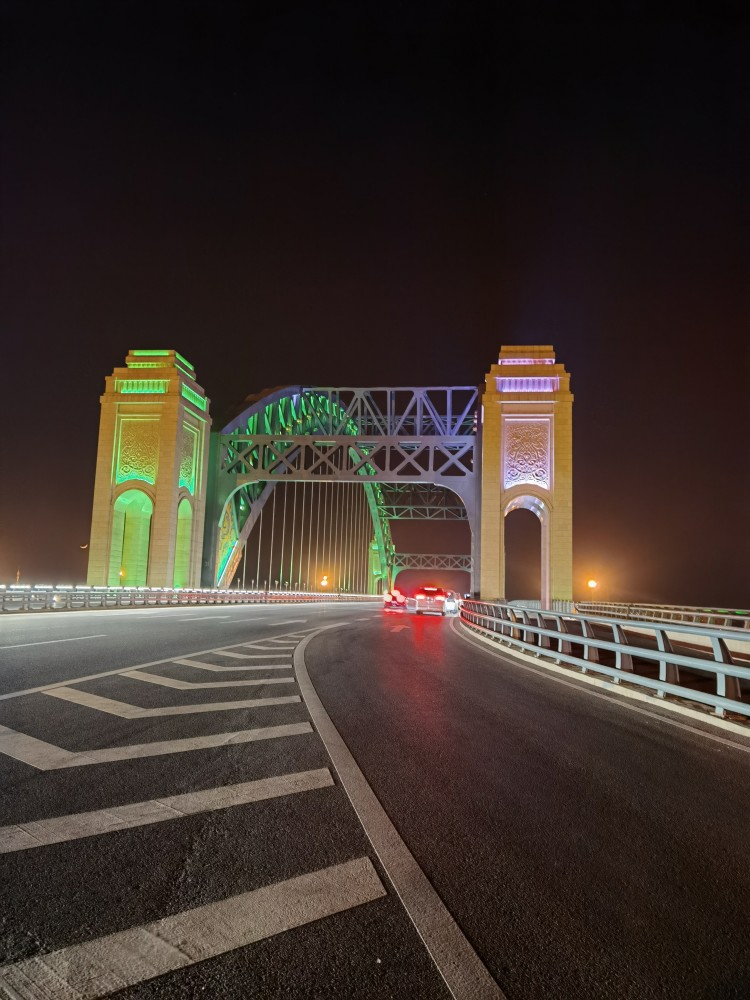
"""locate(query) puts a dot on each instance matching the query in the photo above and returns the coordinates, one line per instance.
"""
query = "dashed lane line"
(172, 682)
(134, 956)
(125, 711)
(48, 757)
(203, 618)
(47, 642)
(61, 829)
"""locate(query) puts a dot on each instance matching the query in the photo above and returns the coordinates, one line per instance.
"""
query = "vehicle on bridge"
(432, 600)
(394, 600)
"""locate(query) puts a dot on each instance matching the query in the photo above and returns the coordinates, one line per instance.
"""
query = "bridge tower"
(527, 462)
(151, 469)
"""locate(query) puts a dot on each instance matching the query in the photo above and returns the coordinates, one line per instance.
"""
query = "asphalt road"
(161, 839)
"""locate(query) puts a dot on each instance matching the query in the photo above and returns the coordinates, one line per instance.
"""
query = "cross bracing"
(423, 560)
(421, 502)
(421, 436)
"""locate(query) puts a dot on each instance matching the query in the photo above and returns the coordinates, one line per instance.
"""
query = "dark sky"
(383, 194)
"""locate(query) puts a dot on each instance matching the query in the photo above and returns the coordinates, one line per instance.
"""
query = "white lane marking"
(204, 618)
(172, 682)
(125, 711)
(48, 757)
(114, 962)
(61, 829)
(46, 642)
(620, 699)
(278, 654)
(245, 666)
(293, 621)
(237, 656)
(282, 641)
(463, 971)
(399, 628)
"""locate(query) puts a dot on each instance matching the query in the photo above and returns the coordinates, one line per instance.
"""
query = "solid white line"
(172, 682)
(125, 711)
(61, 829)
(46, 642)
(114, 962)
(48, 757)
(463, 971)
(621, 698)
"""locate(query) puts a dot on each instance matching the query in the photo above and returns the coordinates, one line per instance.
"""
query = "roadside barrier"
(19, 598)
(690, 662)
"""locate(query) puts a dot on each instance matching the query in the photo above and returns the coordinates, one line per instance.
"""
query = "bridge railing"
(714, 617)
(83, 598)
(683, 661)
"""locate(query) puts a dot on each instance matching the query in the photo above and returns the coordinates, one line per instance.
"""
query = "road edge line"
(463, 972)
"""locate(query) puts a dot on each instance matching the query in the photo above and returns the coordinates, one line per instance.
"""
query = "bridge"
(304, 484)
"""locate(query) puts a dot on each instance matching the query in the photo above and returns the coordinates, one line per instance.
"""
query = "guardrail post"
(544, 640)
(623, 661)
(668, 672)
(563, 645)
(590, 653)
(727, 686)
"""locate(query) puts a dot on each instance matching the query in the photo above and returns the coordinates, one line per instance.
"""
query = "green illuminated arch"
(182, 543)
(131, 532)
(286, 411)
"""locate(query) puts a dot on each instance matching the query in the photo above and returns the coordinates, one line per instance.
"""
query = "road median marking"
(220, 670)
(48, 642)
(172, 682)
(48, 757)
(62, 829)
(126, 711)
(107, 964)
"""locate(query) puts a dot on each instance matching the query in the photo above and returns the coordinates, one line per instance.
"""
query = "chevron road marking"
(60, 829)
(48, 757)
(171, 682)
(125, 711)
(114, 962)
(237, 656)
(247, 666)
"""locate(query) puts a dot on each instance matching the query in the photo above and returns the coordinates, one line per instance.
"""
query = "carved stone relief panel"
(526, 453)
(138, 452)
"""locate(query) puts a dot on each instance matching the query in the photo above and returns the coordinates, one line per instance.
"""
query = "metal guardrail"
(547, 634)
(713, 617)
(82, 598)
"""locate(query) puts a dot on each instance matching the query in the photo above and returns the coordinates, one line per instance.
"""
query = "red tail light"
(439, 598)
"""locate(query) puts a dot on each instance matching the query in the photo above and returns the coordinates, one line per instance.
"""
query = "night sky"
(383, 194)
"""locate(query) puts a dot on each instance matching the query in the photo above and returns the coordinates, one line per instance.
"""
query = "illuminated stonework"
(187, 458)
(152, 462)
(138, 452)
(527, 453)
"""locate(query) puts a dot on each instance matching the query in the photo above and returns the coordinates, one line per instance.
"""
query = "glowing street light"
(324, 581)
(592, 585)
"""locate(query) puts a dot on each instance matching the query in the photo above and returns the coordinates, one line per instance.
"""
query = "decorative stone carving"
(138, 456)
(187, 459)
(527, 453)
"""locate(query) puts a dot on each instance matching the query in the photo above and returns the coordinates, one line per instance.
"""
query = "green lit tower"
(151, 470)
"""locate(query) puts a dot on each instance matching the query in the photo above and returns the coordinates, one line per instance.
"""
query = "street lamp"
(324, 581)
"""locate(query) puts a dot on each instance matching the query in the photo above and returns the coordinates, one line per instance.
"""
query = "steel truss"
(421, 502)
(421, 438)
(421, 560)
